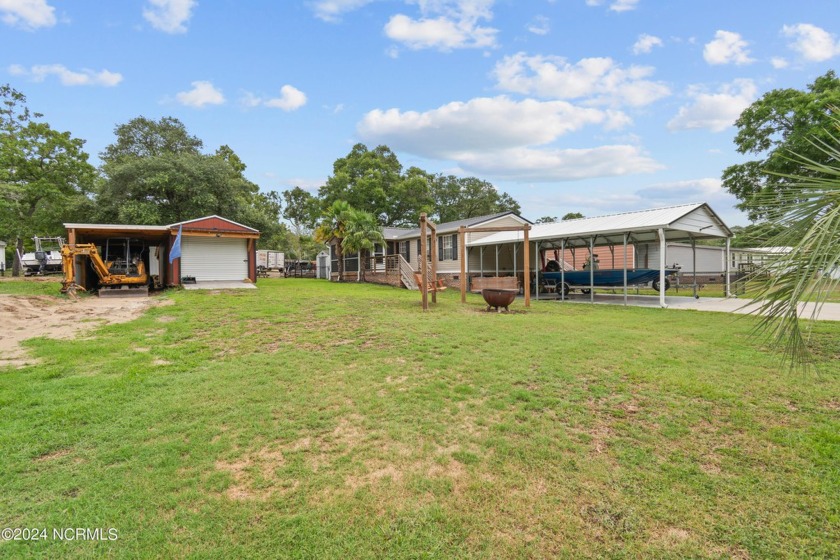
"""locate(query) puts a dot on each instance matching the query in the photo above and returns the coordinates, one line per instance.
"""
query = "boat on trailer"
(606, 278)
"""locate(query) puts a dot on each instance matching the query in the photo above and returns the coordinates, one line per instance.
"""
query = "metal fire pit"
(498, 298)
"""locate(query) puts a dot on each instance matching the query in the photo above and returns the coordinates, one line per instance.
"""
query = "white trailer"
(271, 260)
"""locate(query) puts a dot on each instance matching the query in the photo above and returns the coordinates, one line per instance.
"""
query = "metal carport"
(687, 222)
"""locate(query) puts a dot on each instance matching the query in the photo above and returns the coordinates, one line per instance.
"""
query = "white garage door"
(214, 258)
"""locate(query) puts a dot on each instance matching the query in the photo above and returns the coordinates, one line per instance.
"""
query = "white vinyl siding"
(214, 258)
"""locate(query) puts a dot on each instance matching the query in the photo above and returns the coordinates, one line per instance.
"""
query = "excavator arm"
(102, 269)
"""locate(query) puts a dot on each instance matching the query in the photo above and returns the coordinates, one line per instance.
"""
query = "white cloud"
(203, 93)
(660, 194)
(616, 5)
(715, 111)
(332, 10)
(506, 138)
(68, 77)
(540, 25)
(440, 32)
(601, 80)
(813, 43)
(290, 99)
(727, 48)
(482, 124)
(779, 63)
(699, 190)
(623, 5)
(645, 43)
(528, 164)
(27, 14)
(445, 25)
(169, 16)
(307, 184)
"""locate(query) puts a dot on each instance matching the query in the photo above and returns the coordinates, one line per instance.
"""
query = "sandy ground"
(24, 317)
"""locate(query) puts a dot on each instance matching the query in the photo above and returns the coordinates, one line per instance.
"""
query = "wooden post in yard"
(424, 286)
(434, 261)
(463, 254)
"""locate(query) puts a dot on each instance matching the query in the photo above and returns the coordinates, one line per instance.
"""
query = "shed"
(212, 248)
(215, 248)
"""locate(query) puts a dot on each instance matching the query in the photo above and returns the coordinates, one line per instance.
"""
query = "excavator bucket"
(124, 291)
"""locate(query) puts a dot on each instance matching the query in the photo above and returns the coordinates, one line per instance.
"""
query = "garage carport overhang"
(93, 233)
(687, 222)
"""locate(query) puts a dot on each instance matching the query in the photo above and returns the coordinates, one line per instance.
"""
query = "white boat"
(45, 259)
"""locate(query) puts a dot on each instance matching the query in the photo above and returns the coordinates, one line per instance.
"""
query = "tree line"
(155, 172)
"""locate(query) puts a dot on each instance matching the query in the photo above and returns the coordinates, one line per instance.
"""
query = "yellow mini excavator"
(123, 276)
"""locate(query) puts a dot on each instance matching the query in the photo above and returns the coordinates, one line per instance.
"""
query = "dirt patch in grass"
(255, 475)
(26, 317)
(52, 455)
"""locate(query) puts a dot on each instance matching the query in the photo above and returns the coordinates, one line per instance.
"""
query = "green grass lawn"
(313, 420)
(47, 286)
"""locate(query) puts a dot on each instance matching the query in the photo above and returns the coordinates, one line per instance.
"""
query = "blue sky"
(596, 106)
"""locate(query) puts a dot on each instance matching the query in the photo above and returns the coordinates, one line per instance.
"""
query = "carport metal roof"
(683, 222)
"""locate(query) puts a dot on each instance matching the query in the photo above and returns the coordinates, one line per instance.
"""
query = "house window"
(404, 250)
(446, 248)
(428, 249)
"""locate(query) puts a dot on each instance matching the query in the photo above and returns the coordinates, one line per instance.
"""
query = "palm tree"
(332, 228)
(361, 235)
(809, 216)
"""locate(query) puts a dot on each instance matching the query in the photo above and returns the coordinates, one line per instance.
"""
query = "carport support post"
(563, 270)
(481, 257)
(726, 269)
(462, 247)
(625, 269)
(526, 265)
(497, 259)
(591, 270)
(537, 271)
(694, 265)
(661, 233)
(515, 246)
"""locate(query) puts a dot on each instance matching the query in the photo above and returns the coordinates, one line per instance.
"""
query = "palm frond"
(810, 215)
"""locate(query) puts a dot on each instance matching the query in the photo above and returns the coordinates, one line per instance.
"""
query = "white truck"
(271, 260)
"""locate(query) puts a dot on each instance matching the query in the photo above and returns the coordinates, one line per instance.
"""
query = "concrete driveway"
(828, 312)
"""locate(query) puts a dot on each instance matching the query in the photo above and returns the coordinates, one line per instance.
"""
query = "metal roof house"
(213, 248)
(406, 242)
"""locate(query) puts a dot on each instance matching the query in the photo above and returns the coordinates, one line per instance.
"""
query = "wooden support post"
(434, 263)
(424, 276)
(462, 248)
